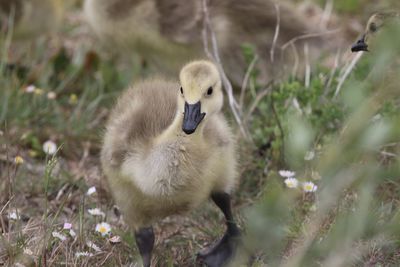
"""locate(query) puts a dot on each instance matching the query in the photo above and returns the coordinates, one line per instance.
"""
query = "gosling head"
(200, 94)
(375, 23)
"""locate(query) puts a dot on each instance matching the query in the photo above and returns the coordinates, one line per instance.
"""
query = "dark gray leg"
(145, 243)
(224, 250)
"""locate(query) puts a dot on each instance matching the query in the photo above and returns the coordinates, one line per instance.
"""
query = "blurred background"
(317, 126)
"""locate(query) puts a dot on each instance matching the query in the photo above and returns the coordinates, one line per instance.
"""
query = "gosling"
(374, 26)
(167, 148)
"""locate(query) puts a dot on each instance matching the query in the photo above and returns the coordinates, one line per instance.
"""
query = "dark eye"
(372, 27)
(209, 91)
(181, 91)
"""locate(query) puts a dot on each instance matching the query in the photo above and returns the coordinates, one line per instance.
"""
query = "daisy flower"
(13, 216)
(72, 233)
(30, 89)
(59, 236)
(27, 251)
(91, 191)
(51, 95)
(83, 254)
(286, 173)
(309, 187)
(96, 212)
(92, 245)
(18, 160)
(291, 182)
(38, 91)
(73, 99)
(67, 226)
(49, 147)
(103, 228)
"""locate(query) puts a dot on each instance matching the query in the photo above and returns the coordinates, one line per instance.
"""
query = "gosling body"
(166, 149)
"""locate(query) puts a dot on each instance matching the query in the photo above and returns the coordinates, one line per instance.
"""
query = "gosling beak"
(192, 117)
(360, 45)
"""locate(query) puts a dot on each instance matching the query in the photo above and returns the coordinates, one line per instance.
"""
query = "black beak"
(360, 45)
(192, 117)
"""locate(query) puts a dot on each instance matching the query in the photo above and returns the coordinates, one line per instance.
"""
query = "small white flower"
(59, 236)
(309, 155)
(27, 251)
(309, 187)
(92, 245)
(83, 254)
(49, 147)
(13, 216)
(96, 212)
(67, 226)
(103, 228)
(285, 173)
(19, 265)
(51, 95)
(291, 182)
(91, 191)
(30, 89)
(72, 233)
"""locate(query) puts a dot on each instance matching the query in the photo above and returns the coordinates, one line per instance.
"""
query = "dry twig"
(209, 36)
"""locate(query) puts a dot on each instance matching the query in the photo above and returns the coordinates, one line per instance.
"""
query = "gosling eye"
(181, 90)
(210, 91)
(372, 27)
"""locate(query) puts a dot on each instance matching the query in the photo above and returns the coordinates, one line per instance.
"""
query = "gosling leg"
(145, 243)
(220, 254)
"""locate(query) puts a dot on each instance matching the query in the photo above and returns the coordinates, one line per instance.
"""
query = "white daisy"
(91, 191)
(286, 173)
(30, 89)
(49, 147)
(103, 228)
(27, 251)
(92, 245)
(83, 254)
(291, 182)
(309, 187)
(96, 212)
(51, 95)
(59, 236)
(72, 233)
(13, 215)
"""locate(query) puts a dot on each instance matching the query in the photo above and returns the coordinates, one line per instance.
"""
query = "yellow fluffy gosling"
(168, 148)
(374, 26)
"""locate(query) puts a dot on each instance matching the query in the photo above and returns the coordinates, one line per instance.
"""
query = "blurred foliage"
(354, 218)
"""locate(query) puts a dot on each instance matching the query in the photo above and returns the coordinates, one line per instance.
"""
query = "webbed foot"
(222, 252)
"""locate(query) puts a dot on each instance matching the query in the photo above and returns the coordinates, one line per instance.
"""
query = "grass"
(351, 220)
